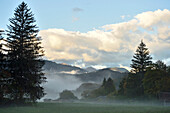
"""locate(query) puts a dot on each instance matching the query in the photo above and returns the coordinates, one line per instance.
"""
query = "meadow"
(85, 108)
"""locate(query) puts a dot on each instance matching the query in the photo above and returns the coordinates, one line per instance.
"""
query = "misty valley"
(65, 77)
(63, 67)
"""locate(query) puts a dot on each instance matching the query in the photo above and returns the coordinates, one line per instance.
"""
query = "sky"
(98, 33)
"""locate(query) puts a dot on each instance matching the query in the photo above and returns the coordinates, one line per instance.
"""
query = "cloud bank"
(115, 44)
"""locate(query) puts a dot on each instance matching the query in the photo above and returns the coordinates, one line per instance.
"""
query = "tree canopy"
(141, 59)
(23, 58)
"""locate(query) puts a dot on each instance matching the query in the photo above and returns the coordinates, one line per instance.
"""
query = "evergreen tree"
(1, 54)
(4, 75)
(24, 56)
(154, 82)
(157, 79)
(168, 70)
(109, 86)
(1, 74)
(122, 84)
(133, 84)
(104, 82)
(159, 65)
(141, 59)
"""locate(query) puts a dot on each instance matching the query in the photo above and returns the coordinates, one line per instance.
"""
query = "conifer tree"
(24, 54)
(109, 86)
(141, 59)
(104, 82)
(4, 75)
(1, 74)
(132, 85)
(1, 54)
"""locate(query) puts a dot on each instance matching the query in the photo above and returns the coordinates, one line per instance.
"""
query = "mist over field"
(91, 56)
(57, 83)
(66, 77)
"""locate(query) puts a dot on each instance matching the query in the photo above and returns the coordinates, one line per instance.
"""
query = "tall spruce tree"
(4, 75)
(132, 85)
(1, 67)
(141, 59)
(24, 54)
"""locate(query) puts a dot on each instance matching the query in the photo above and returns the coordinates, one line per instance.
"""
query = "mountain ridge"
(53, 66)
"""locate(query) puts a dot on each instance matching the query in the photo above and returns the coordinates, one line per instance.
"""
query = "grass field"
(85, 108)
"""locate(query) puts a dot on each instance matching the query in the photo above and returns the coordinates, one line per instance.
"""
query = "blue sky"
(93, 13)
(99, 33)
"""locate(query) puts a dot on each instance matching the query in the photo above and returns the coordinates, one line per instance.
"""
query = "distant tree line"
(146, 79)
(20, 59)
(107, 88)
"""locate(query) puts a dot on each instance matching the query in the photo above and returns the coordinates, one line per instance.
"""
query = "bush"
(66, 94)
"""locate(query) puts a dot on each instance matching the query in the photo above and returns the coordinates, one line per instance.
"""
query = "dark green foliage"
(1, 73)
(109, 86)
(133, 85)
(151, 82)
(159, 65)
(24, 56)
(106, 88)
(141, 60)
(168, 70)
(122, 85)
(5, 76)
(156, 81)
(67, 95)
(104, 82)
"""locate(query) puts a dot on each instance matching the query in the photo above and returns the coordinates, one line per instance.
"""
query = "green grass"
(85, 108)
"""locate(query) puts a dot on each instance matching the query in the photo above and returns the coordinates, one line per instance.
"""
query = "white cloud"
(70, 72)
(126, 67)
(150, 19)
(115, 44)
(79, 63)
(164, 32)
(99, 66)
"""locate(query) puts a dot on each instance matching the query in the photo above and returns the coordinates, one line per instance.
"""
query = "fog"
(57, 82)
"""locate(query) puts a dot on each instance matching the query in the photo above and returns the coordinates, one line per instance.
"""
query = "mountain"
(99, 75)
(90, 69)
(63, 68)
(85, 75)
(122, 70)
(63, 76)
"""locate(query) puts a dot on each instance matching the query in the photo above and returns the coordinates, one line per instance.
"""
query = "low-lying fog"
(57, 82)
